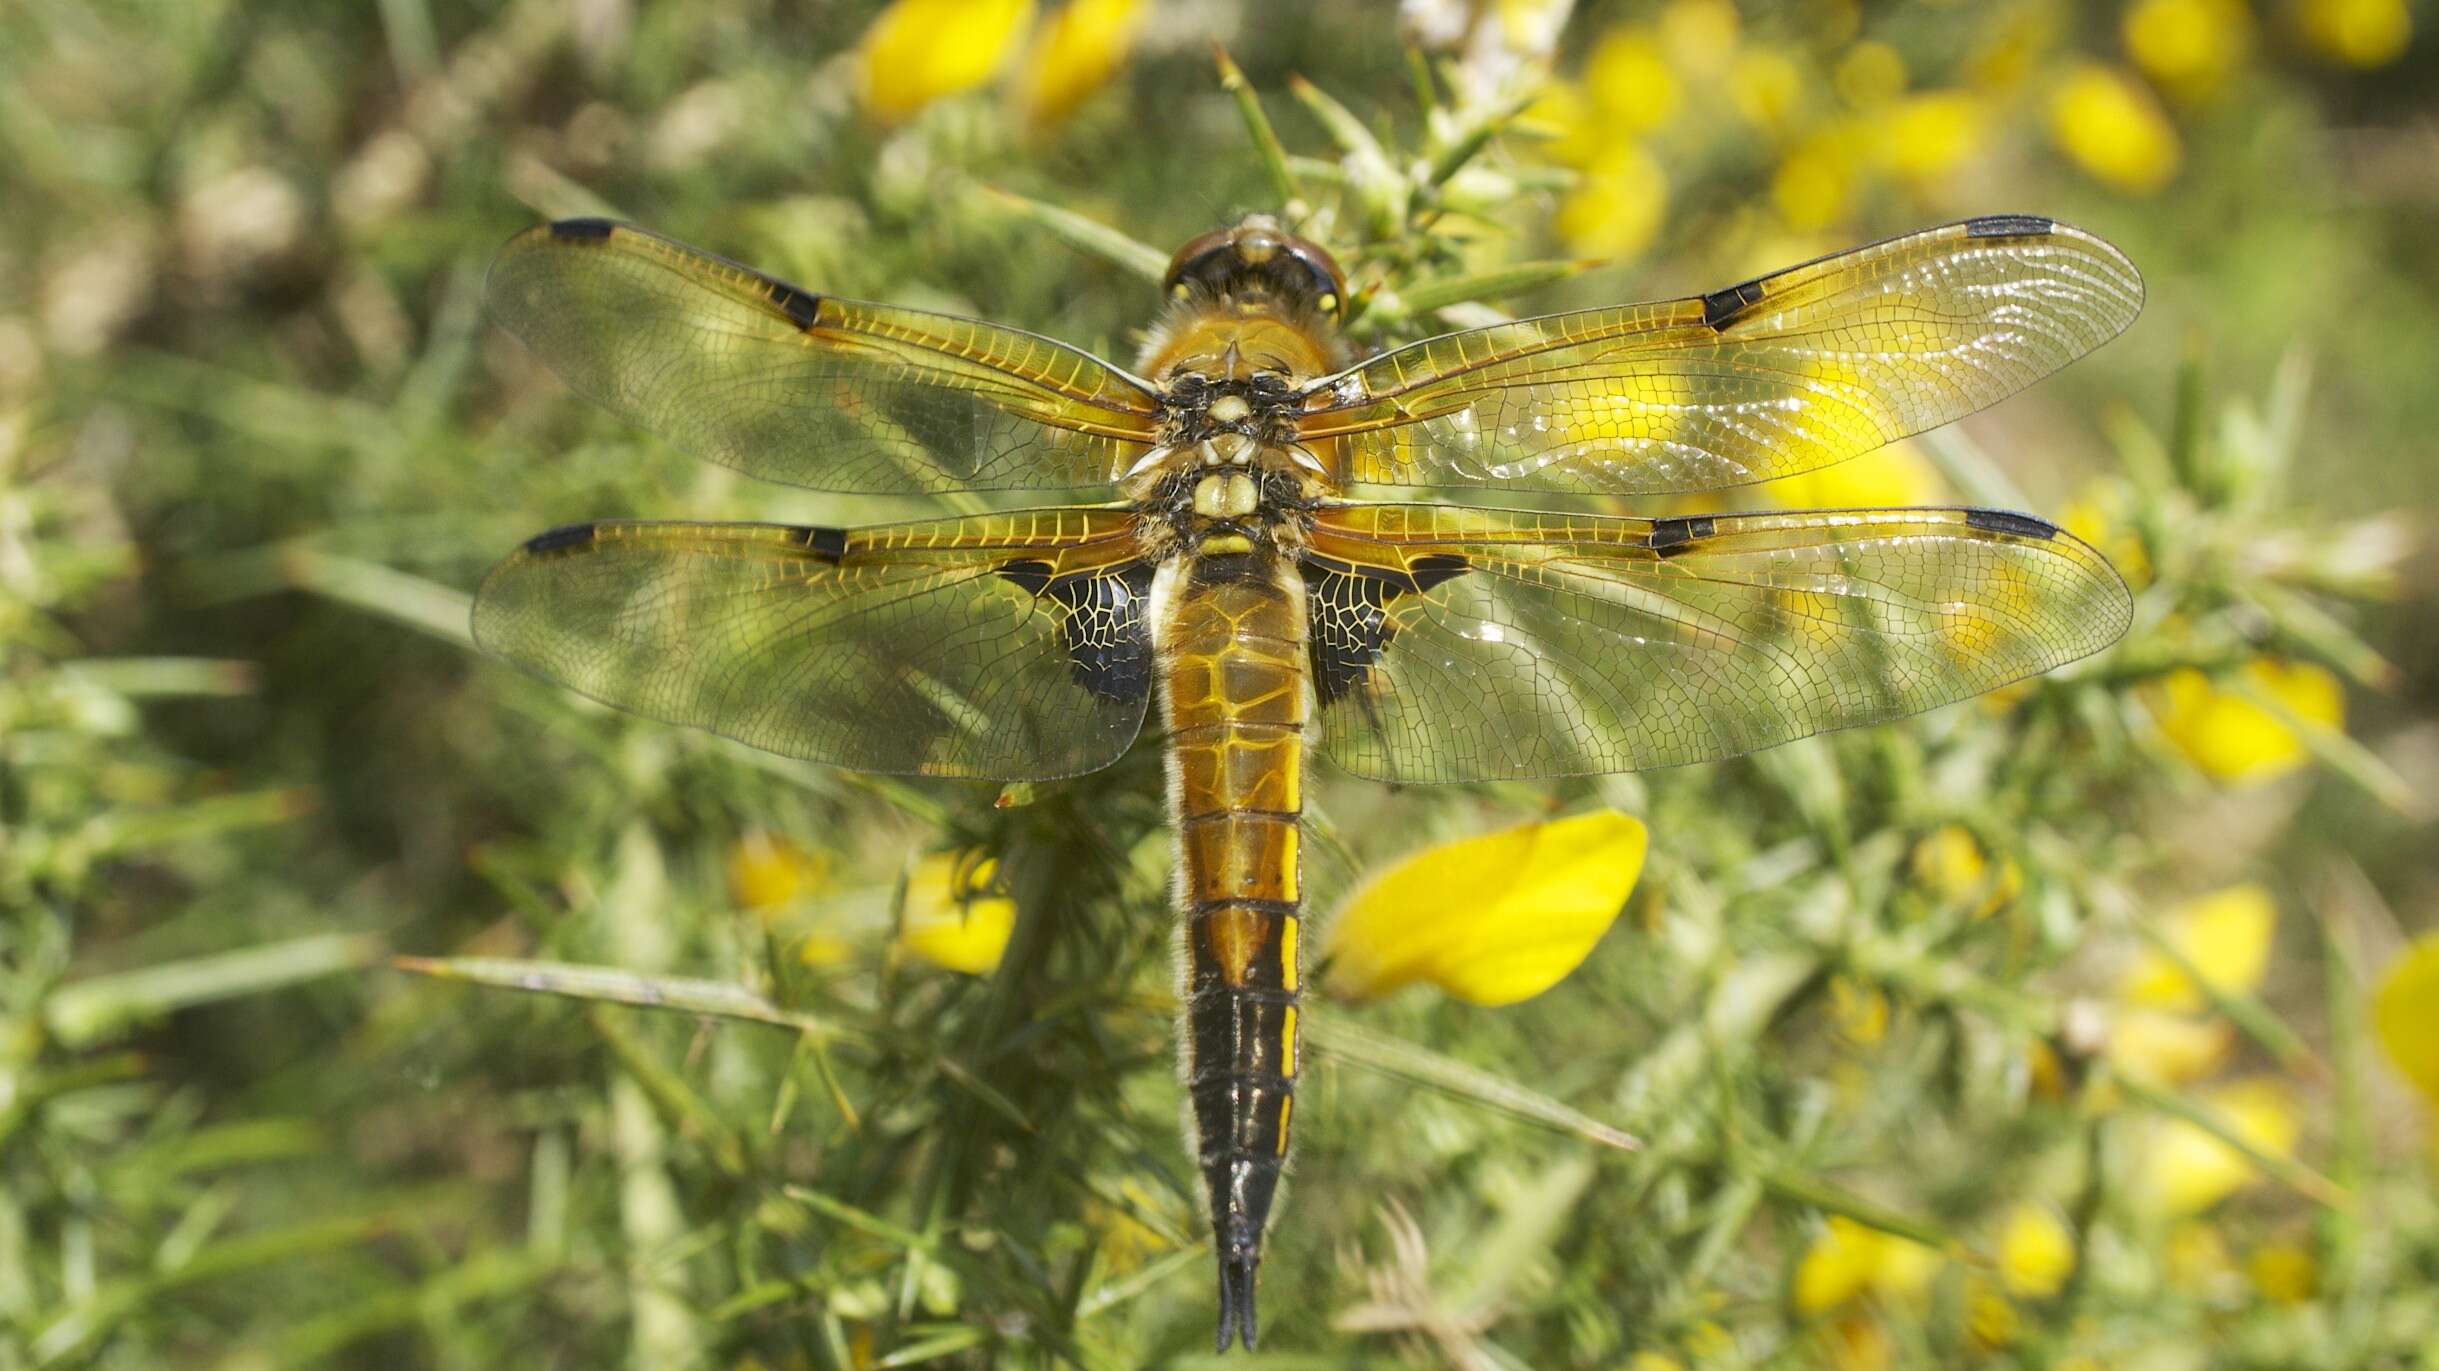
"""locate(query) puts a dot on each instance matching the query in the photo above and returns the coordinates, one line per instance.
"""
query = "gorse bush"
(2081, 1024)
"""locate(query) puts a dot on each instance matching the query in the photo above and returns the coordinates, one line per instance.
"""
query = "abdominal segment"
(1233, 675)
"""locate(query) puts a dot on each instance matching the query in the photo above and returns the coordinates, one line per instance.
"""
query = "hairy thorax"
(1228, 479)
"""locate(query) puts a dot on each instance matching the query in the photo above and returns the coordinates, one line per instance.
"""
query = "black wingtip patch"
(802, 307)
(2009, 522)
(1721, 308)
(2009, 226)
(582, 230)
(829, 544)
(1672, 536)
(561, 539)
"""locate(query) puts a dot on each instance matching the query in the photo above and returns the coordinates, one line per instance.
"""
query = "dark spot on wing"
(1439, 566)
(581, 230)
(561, 539)
(1032, 576)
(1103, 627)
(2004, 521)
(1721, 308)
(1347, 608)
(2009, 226)
(1671, 536)
(802, 307)
(829, 544)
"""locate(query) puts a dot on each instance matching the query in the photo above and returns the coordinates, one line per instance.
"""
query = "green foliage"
(256, 437)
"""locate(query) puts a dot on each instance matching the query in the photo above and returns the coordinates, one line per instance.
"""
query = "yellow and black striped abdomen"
(1232, 651)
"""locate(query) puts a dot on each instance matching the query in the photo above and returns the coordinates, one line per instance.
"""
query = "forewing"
(1007, 647)
(1782, 374)
(790, 386)
(1466, 644)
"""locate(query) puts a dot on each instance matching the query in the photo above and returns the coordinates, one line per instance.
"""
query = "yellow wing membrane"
(809, 390)
(1455, 644)
(1781, 374)
(1004, 647)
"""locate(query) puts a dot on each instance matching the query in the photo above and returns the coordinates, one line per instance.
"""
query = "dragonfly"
(1212, 562)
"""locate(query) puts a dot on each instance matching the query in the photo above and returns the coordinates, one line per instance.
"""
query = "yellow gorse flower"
(2283, 1271)
(1845, 1259)
(2036, 1251)
(918, 51)
(1924, 138)
(2190, 47)
(767, 872)
(2224, 936)
(2186, 1169)
(2108, 123)
(1616, 209)
(2405, 1015)
(1952, 864)
(1490, 920)
(2235, 738)
(951, 918)
(2359, 33)
(1074, 54)
(1894, 475)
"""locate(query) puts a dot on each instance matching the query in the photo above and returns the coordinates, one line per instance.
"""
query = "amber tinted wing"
(1466, 644)
(1782, 374)
(814, 391)
(1009, 646)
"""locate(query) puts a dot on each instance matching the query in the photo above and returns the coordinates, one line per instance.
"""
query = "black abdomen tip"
(582, 230)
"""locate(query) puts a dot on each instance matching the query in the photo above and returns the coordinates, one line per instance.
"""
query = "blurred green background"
(2078, 1027)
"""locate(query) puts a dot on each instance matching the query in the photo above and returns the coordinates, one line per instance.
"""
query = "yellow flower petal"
(1950, 862)
(2283, 1271)
(2186, 1170)
(1857, 1342)
(2359, 33)
(2110, 125)
(2188, 46)
(767, 872)
(1615, 210)
(1895, 475)
(1491, 920)
(1076, 52)
(1871, 73)
(1814, 181)
(950, 919)
(1924, 138)
(1990, 1320)
(1835, 1267)
(2170, 1049)
(1767, 88)
(2405, 1015)
(2229, 736)
(1846, 1258)
(2036, 1251)
(918, 51)
(2197, 1260)
(2097, 517)
(1630, 82)
(2224, 935)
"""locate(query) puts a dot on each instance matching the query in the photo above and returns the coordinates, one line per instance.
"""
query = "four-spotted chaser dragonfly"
(1224, 574)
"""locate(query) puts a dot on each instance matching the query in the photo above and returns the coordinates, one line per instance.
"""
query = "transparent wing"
(790, 386)
(1456, 644)
(1007, 647)
(1784, 373)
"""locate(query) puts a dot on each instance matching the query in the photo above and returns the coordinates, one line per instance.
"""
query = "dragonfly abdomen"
(1234, 699)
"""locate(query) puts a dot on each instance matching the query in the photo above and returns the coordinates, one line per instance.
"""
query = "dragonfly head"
(1258, 256)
